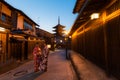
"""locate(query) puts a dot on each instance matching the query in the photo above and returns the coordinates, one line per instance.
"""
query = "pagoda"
(59, 32)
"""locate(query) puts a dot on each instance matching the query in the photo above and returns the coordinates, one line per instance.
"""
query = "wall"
(20, 21)
(6, 10)
(99, 40)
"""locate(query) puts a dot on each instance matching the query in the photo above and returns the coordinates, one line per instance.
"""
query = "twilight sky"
(46, 12)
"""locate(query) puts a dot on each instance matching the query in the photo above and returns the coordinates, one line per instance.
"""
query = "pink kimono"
(45, 53)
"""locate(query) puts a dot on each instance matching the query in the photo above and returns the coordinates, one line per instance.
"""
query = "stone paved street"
(58, 69)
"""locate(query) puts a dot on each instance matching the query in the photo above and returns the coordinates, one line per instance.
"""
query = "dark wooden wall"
(99, 41)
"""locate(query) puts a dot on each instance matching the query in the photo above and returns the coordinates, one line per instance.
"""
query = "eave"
(27, 16)
(13, 8)
(85, 8)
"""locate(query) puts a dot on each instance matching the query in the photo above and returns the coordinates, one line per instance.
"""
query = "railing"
(6, 25)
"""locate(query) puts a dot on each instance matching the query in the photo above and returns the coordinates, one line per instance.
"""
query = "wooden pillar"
(105, 42)
(7, 37)
(26, 49)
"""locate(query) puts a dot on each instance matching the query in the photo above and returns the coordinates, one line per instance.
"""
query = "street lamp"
(66, 41)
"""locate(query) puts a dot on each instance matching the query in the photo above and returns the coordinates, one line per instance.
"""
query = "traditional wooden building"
(6, 23)
(98, 39)
(17, 31)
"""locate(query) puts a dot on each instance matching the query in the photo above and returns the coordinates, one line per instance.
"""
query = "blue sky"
(46, 12)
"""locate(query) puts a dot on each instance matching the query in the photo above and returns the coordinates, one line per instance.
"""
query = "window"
(3, 17)
(27, 26)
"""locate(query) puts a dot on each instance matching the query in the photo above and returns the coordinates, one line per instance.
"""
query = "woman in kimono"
(45, 59)
(37, 57)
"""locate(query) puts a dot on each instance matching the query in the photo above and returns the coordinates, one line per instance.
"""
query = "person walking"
(37, 57)
(45, 59)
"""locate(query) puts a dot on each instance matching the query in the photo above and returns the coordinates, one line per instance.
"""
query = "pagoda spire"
(58, 19)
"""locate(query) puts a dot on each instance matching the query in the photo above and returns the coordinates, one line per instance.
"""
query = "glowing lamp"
(61, 41)
(2, 29)
(49, 46)
(94, 16)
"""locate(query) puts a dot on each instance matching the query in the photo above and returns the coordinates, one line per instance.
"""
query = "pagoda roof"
(59, 25)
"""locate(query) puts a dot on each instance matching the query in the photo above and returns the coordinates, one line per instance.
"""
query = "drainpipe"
(85, 4)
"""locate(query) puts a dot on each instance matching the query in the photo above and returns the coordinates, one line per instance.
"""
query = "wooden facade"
(17, 34)
(5, 25)
(99, 40)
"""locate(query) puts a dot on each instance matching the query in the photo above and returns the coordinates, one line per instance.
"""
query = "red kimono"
(36, 57)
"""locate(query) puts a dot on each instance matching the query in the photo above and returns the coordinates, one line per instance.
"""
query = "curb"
(73, 66)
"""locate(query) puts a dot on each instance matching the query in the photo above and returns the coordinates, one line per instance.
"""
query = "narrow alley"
(83, 37)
